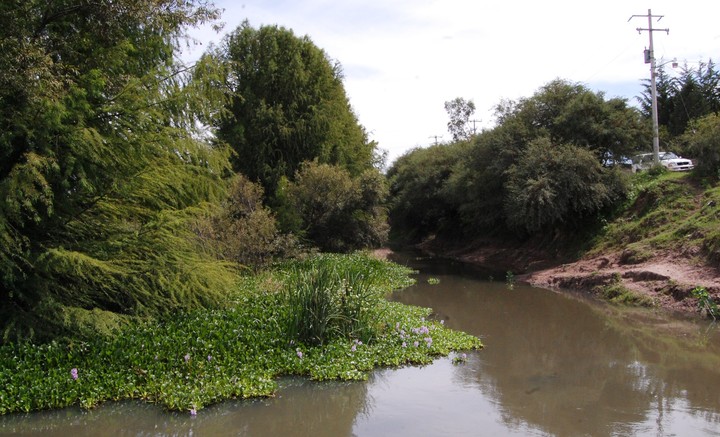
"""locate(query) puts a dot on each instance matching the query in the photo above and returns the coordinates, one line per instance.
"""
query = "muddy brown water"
(554, 364)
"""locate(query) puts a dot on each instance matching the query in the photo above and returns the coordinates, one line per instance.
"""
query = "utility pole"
(473, 122)
(650, 59)
(436, 138)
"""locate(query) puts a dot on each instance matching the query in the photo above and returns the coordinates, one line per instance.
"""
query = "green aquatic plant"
(196, 358)
(510, 279)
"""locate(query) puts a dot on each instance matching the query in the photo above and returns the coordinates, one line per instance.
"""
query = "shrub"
(336, 212)
(243, 230)
(558, 184)
(703, 143)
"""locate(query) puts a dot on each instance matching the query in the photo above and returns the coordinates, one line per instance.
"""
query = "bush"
(244, 231)
(420, 204)
(558, 184)
(703, 143)
(336, 212)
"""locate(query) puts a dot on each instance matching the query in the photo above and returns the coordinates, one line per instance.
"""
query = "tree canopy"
(99, 172)
(692, 94)
(287, 105)
(540, 169)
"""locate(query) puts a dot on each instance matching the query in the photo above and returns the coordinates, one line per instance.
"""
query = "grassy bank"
(191, 360)
(666, 211)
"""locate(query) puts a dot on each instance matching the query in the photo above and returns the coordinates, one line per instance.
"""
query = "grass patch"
(617, 293)
(194, 359)
(664, 211)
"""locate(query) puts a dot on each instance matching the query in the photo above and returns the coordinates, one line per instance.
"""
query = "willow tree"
(288, 105)
(99, 172)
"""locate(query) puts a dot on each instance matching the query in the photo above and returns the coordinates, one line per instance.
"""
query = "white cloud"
(403, 59)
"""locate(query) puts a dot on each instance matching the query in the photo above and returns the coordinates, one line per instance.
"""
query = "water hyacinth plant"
(244, 348)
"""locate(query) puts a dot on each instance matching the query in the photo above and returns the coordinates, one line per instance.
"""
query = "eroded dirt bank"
(665, 280)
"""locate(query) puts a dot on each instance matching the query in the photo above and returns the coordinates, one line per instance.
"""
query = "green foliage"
(702, 142)
(419, 204)
(690, 96)
(706, 303)
(538, 169)
(326, 304)
(570, 113)
(99, 174)
(193, 359)
(338, 212)
(243, 230)
(287, 105)
(553, 184)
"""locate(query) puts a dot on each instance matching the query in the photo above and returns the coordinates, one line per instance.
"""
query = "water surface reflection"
(554, 364)
(569, 366)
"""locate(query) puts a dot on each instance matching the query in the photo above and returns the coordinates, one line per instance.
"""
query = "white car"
(668, 160)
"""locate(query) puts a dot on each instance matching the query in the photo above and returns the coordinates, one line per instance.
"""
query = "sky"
(403, 59)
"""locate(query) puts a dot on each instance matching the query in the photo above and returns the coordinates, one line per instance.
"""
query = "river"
(554, 364)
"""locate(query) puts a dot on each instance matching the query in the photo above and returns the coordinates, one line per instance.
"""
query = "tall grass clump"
(330, 297)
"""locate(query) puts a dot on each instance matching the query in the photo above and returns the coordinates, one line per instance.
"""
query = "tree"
(694, 93)
(561, 113)
(571, 113)
(243, 230)
(703, 142)
(99, 175)
(460, 110)
(287, 105)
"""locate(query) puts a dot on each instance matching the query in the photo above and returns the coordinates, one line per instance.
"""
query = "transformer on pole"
(650, 59)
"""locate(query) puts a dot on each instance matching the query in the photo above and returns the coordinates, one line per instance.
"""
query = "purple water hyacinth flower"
(404, 344)
(442, 322)
(353, 348)
(209, 358)
(193, 412)
(416, 344)
(299, 353)
(74, 373)
(428, 341)
(187, 357)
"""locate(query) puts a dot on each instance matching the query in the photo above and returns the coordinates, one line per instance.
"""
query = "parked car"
(668, 160)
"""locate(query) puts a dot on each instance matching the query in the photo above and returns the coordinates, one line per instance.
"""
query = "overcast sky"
(404, 58)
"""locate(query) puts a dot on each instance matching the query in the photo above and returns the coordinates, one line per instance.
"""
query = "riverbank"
(657, 247)
(664, 280)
